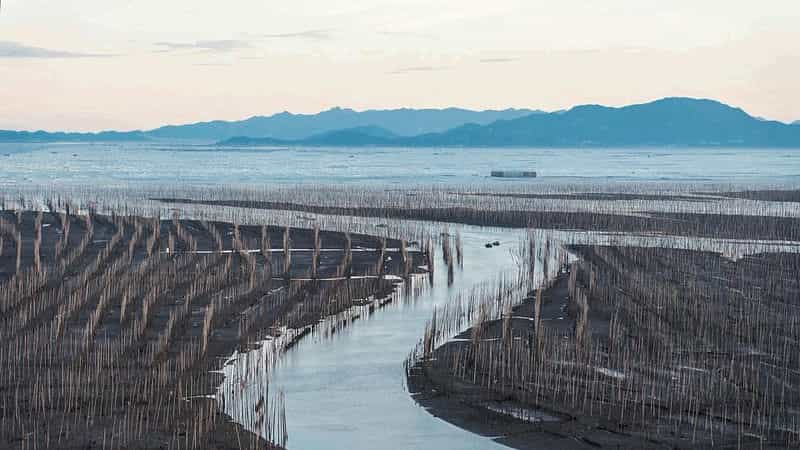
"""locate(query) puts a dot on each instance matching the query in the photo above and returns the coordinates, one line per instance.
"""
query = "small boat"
(513, 174)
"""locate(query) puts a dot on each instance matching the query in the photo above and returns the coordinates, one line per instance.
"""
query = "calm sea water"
(136, 164)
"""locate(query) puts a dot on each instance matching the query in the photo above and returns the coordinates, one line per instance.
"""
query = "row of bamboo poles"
(682, 345)
(112, 325)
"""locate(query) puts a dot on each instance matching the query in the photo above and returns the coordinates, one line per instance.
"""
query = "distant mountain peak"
(337, 109)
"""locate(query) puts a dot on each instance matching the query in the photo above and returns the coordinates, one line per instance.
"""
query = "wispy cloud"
(413, 69)
(229, 45)
(316, 35)
(498, 60)
(216, 46)
(11, 49)
(409, 34)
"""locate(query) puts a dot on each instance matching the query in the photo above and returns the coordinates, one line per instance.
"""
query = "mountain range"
(673, 121)
(683, 122)
(44, 136)
(288, 126)
(666, 122)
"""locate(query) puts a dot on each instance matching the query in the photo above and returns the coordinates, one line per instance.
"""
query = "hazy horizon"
(90, 65)
(533, 110)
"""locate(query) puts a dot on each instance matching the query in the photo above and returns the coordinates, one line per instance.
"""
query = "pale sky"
(138, 64)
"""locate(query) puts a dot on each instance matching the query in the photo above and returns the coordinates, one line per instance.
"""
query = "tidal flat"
(230, 317)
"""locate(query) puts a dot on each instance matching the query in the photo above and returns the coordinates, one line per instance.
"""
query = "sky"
(87, 65)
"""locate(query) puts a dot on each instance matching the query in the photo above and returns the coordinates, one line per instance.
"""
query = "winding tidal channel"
(347, 389)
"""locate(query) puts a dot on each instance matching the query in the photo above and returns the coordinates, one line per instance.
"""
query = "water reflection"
(346, 388)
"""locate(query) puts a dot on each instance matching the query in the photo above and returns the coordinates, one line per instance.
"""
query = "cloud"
(10, 49)
(405, 70)
(498, 60)
(217, 46)
(229, 45)
(317, 35)
(409, 34)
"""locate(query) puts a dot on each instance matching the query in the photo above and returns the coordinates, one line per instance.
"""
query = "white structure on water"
(513, 174)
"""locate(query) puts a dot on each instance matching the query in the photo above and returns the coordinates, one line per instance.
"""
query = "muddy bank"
(506, 416)
(766, 195)
(637, 348)
(700, 196)
(597, 196)
(111, 326)
(682, 224)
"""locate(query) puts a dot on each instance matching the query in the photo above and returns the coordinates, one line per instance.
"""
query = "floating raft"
(513, 174)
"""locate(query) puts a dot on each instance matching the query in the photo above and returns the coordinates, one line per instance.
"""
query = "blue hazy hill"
(288, 126)
(367, 135)
(45, 136)
(666, 122)
(683, 122)
(357, 136)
